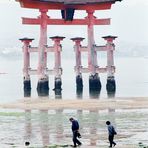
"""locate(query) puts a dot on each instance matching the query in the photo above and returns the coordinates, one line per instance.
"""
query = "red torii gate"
(67, 8)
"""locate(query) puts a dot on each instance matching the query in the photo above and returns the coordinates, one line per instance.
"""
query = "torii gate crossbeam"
(34, 21)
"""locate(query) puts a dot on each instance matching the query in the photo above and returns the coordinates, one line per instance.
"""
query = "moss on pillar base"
(79, 92)
(94, 94)
(57, 84)
(27, 88)
(27, 85)
(43, 87)
(58, 93)
(94, 83)
(27, 93)
(58, 88)
(111, 85)
(79, 83)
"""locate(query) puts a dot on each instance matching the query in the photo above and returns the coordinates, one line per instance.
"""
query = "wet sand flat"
(85, 104)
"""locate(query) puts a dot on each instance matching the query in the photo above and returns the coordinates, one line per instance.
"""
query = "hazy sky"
(129, 21)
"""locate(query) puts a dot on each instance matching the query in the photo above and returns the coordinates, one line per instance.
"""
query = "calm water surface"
(131, 79)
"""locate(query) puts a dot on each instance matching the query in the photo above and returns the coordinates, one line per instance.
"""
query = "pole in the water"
(26, 75)
(111, 84)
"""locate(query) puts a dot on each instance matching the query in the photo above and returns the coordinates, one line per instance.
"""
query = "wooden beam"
(31, 21)
(101, 48)
(33, 49)
(36, 21)
(98, 69)
(59, 6)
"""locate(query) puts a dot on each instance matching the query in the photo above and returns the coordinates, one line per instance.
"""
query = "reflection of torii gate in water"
(68, 8)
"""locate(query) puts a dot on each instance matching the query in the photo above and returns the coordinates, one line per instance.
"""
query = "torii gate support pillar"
(57, 68)
(111, 84)
(94, 80)
(77, 48)
(27, 82)
(43, 86)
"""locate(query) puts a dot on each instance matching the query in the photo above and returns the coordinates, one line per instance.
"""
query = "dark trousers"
(111, 140)
(75, 140)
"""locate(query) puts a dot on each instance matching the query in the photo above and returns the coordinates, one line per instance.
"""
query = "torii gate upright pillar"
(43, 86)
(111, 84)
(79, 80)
(27, 82)
(94, 80)
(57, 67)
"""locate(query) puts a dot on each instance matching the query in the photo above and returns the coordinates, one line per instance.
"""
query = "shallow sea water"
(131, 79)
(49, 127)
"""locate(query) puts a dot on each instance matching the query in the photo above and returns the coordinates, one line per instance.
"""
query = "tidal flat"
(45, 123)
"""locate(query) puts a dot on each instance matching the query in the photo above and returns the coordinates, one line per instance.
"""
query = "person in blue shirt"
(111, 133)
(75, 131)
